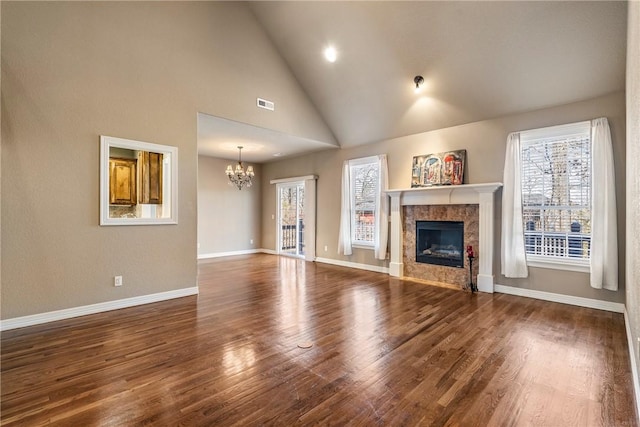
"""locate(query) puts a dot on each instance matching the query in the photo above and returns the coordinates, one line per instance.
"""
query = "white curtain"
(604, 234)
(382, 219)
(514, 261)
(344, 238)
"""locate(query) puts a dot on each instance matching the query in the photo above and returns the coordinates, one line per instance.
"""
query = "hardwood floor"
(385, 352)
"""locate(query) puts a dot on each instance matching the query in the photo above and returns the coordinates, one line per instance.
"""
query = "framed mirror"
(138, 182)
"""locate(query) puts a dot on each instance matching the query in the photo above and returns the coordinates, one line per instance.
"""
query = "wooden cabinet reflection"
(150, 179)
(122, 181)
(133, 181)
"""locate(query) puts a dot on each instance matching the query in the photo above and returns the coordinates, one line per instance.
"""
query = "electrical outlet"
(117, 281)
(251, 241)
(273, 216)
(326, 248)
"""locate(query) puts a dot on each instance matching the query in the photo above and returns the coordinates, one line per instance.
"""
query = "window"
(364, 207)
(556, 195)
(364, 198)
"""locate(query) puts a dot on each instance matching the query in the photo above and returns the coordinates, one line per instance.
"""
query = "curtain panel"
(513, 257)
(604, 226)
(344, 237)
(382, 217)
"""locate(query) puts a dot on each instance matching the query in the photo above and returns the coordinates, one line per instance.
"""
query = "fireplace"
(439, 197)
(440, 243)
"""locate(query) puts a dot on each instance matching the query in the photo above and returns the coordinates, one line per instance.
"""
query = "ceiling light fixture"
(331, 54)
(238, 176)
(419, 81)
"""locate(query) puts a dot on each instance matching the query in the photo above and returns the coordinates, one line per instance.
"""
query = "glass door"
(290, 226)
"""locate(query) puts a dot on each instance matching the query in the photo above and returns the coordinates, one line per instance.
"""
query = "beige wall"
(485, 144)
(72, 71)
(228, 218)
(633, 177)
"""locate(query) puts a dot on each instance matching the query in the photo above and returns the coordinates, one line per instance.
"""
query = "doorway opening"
(291, 219)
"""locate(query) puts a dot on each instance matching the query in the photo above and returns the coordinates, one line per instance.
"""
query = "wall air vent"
(267, 105)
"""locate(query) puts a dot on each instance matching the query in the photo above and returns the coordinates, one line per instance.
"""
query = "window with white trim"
(556, 195)
(365, 196)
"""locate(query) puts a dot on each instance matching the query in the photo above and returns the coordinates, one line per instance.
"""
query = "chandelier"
(238, 176)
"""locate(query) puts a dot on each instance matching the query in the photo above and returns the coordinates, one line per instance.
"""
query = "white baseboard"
(615, 307)
(349, 264)
(231, 253)
(36, 319)
(634, 367)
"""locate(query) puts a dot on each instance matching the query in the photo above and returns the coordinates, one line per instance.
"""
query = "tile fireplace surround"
(479, 194)
(440, 274)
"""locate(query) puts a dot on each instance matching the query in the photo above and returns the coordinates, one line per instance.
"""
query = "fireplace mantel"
(480, 194)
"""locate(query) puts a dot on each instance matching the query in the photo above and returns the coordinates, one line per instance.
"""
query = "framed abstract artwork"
(445, 168)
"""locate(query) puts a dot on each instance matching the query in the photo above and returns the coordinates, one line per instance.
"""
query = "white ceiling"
(219, 137)
(480, 60)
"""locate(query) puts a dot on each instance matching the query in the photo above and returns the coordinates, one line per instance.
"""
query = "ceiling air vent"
(267, 105)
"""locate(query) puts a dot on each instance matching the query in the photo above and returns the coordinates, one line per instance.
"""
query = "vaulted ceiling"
(480, 60)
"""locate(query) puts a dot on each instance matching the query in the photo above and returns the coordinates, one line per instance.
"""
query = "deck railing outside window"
(557, 244)
(289, 236)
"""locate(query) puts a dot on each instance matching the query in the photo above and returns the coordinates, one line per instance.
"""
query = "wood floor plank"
(385, 352)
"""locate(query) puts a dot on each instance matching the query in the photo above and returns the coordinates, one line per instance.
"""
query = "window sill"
(361, 246)
(567, 264)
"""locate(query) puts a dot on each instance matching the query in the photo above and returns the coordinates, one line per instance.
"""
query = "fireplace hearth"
(440, 243)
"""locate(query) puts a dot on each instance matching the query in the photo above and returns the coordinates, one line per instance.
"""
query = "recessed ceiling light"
(331, 54)
(277, 155)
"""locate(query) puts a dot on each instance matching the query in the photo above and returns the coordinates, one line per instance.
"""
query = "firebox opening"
(440, 243)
